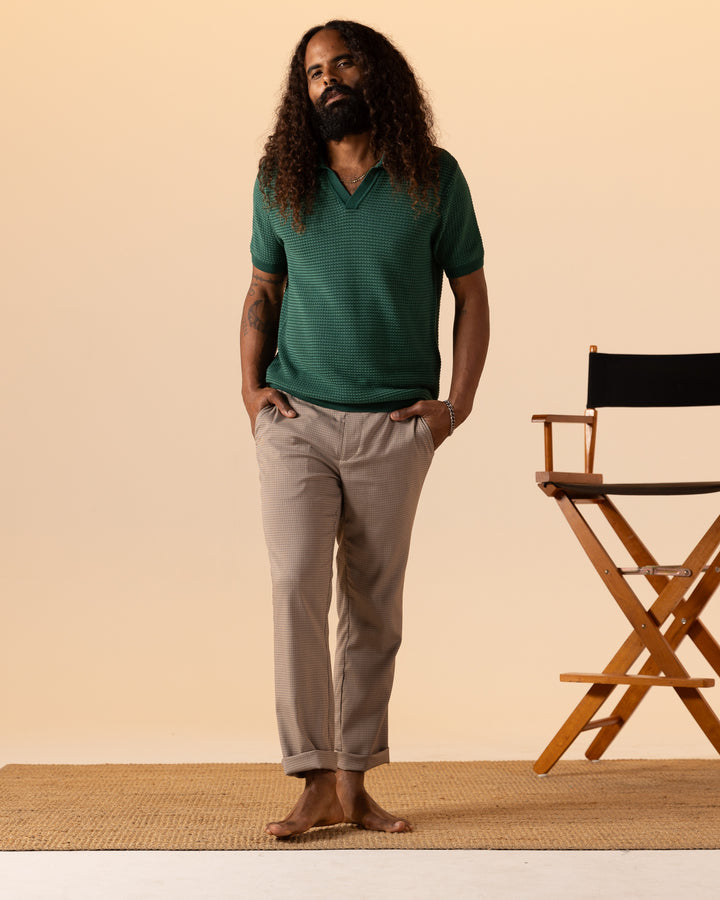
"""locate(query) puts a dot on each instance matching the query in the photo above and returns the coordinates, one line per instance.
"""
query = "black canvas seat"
(664, 489)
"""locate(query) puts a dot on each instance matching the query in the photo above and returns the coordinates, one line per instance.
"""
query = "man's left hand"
(435, 413)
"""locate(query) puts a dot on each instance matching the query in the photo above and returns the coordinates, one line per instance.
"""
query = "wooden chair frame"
(682, 593)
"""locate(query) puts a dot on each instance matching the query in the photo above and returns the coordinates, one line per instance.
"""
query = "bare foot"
(318, 805)
(360, 808)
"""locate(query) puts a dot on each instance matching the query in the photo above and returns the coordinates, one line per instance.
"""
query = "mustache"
(333, 90)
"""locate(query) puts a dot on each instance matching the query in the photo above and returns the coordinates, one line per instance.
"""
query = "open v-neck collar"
(348, 200)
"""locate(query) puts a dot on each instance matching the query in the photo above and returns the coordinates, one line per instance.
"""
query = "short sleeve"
(266, 246)
(458, 246)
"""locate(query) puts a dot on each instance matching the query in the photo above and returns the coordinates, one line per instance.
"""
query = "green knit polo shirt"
(359, 320)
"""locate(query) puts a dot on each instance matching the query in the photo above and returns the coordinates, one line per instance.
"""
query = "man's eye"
(315, 74)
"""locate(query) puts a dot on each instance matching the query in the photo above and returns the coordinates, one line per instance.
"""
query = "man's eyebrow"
(335, 59)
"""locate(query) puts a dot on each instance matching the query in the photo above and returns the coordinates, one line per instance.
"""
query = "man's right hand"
(262, 397)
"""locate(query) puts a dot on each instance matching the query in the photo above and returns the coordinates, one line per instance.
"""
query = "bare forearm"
(257, 350)
(259, 328)
(471, 334)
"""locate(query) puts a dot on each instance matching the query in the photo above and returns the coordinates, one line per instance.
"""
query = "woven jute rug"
(618, 805)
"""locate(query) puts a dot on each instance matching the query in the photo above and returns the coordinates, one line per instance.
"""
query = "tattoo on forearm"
(263, 313)
(274, 279)
(255, 318)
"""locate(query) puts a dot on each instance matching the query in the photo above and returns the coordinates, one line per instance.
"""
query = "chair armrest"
(548, 419)
(579, 420)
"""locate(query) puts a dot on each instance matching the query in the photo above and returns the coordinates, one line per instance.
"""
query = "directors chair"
(679, 592)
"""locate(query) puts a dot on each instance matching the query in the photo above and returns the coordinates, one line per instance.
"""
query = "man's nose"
(330, 78)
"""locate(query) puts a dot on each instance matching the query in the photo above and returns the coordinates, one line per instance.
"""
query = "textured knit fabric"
(359, 321)
(357, 477)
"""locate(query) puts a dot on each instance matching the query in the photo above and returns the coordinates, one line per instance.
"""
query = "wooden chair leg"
(639, 553)
(706, 644)
(685, 624)
(703, 714)
(646, 633)
(577, 721)
(644, 622)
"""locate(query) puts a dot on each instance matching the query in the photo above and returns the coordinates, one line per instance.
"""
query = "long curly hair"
(401, 131)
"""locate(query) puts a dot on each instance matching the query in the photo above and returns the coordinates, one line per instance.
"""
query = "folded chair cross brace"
(682, 591)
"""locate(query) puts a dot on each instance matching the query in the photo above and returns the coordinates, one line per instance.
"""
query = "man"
(356, 215)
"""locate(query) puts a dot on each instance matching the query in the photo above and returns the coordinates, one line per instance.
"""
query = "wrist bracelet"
(451, 410)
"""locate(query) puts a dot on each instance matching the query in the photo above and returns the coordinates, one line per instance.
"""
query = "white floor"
(360, 874)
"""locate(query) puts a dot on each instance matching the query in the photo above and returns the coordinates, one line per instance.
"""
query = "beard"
(347, 115)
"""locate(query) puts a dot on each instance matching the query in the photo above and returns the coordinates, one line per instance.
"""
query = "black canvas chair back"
(635, 380)
(681, 589)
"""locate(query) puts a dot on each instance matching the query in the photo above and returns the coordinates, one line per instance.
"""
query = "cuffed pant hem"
(305, 762)
(354, 763)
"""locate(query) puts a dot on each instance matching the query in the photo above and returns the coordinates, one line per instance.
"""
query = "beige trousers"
(353, 478)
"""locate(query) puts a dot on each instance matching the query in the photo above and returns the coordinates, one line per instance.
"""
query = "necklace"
(359, 178)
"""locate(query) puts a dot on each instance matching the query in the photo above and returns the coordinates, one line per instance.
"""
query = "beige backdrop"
(135, 612)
